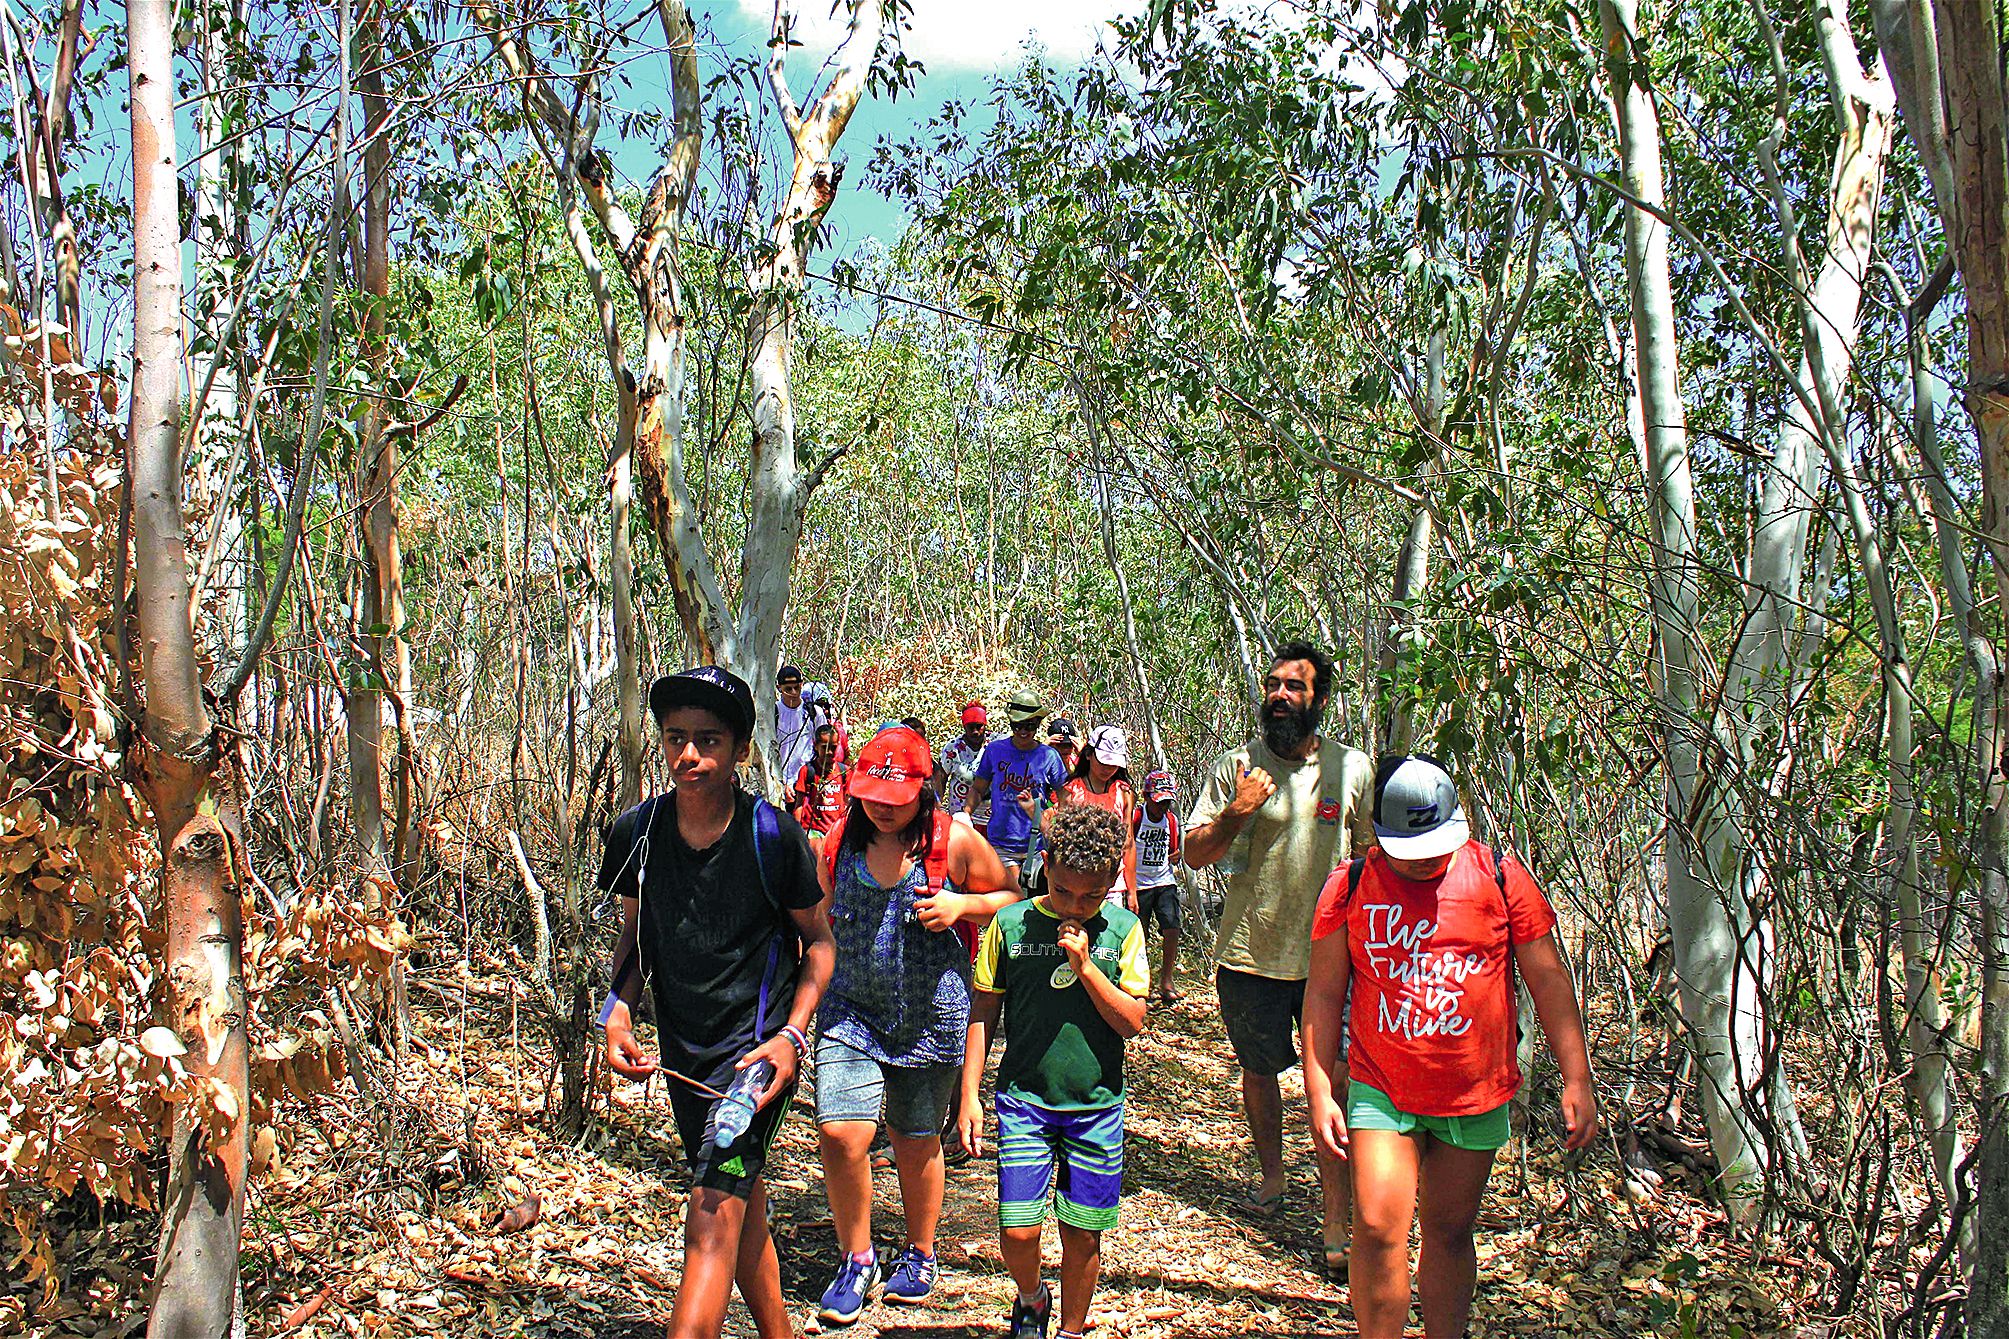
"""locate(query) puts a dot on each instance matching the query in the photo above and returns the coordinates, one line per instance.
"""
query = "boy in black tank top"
(722, 915)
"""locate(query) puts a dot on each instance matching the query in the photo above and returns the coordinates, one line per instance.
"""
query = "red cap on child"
(892, 767)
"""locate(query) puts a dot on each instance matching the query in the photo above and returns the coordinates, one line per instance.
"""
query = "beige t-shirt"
(1320, 812)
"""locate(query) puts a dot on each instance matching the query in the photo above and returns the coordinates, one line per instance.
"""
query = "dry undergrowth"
(345, 1239)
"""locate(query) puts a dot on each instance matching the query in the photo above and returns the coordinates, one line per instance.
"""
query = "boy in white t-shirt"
(1155, 834)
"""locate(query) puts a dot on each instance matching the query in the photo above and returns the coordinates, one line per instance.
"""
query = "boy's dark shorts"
(1159, 902)
(1259, 1013)
(734, 1168)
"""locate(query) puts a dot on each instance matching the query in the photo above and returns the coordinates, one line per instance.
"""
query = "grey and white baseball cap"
(1416, 810)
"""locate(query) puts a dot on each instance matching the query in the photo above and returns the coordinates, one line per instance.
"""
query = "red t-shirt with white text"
(1432, 1023)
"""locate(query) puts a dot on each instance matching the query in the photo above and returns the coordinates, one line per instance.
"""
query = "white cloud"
(965, 34)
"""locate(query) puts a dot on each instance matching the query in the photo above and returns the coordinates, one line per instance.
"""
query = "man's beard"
(1286, 728)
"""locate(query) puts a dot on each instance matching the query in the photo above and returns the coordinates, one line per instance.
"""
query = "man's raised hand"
(1252, 788)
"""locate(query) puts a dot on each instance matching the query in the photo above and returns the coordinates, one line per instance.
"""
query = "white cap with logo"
(1416, 811)
(1109, 743)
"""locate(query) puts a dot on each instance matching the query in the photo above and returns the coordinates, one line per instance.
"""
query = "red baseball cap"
(974, 714)
(892, 767)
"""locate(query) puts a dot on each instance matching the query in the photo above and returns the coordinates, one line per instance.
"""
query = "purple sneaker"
(912, 1279)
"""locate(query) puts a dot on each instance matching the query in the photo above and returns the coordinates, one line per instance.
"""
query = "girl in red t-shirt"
(1427, 932)
(1102, 778)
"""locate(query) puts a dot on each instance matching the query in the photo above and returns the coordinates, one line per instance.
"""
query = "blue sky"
(964, 44)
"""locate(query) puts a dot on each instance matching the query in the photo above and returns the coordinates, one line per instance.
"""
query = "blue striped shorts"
(1074, 1156)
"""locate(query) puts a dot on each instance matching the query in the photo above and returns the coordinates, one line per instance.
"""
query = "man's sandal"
(1266, 1207)
(1337, 1264)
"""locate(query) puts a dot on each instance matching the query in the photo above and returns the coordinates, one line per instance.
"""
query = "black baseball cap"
(788, 672)
(718, 691)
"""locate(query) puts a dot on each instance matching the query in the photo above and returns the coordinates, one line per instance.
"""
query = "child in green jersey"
(1067, 973)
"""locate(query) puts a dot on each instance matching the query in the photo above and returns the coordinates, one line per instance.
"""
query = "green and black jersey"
(1059, 1051)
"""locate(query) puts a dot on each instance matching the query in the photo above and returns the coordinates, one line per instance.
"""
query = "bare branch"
(822, 468)
(777, 72)
(310, 441)
(439, 411)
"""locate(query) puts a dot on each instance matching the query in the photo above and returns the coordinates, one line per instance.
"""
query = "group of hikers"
(910, 906)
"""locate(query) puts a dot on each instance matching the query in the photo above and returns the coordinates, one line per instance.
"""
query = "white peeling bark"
(778, 484)
(1715, 944)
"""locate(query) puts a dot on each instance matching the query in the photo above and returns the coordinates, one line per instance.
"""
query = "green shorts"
(1368, 1108)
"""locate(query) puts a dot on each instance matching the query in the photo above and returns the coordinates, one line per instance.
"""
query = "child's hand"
(1029, 802)
(941, 911)
(1328, 1128)
(625, 1055)
(970, 1125)
(1579, 1114)
(1074, 943)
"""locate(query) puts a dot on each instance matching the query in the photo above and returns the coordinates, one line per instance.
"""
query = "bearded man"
(1278, 814)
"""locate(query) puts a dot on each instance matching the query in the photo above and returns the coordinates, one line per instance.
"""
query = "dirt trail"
(408, 1244)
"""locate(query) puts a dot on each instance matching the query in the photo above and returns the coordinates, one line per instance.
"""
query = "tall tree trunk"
(381, 609)
(1945, 57)
(1412, 564)
(1926, 1021)
(621, 561)
(42, 163)
(1715, 943)
(653, 402)
(1766, 661)
(181, 769)
(780, 488)
(1105, 491)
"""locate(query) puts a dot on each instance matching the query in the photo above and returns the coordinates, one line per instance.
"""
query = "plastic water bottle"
(734, 1113)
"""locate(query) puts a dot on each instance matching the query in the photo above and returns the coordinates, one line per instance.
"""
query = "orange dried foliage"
(79, 1098)
(930, 674)
(86, 1074)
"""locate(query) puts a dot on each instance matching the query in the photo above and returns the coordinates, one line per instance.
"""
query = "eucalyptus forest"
(1618, 390)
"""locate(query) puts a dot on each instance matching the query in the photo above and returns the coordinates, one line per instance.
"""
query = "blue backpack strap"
(766, 838)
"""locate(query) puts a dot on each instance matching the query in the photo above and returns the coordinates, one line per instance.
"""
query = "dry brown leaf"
(520, 1216)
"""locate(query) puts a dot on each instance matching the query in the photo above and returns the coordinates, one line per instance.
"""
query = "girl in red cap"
(891, 1031)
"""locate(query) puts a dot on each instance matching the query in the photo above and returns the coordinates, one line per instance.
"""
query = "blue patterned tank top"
(901, 992)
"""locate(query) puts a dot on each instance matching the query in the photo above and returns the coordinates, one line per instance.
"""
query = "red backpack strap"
(833, 842)
(936, 864)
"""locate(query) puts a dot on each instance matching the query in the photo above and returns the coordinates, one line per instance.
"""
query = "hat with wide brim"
(1022, 707)
(1417, 813)
(710, 688)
